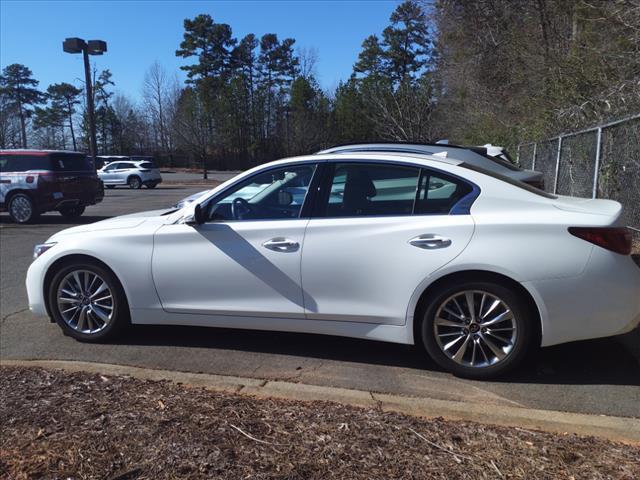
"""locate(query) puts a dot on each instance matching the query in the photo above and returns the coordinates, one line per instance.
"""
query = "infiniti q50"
(475, 268)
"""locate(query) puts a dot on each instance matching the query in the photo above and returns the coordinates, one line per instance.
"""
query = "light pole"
(92, 47)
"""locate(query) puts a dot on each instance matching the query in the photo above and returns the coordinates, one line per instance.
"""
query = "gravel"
(76, 425)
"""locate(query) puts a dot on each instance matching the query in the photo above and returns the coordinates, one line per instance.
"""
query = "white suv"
(132, 173)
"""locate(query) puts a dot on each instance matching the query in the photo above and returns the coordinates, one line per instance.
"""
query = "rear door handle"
(280, 244)
(430, 241)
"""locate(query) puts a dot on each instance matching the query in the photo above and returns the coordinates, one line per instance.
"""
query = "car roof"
(417, 159)
(473, 155)
(28, 151)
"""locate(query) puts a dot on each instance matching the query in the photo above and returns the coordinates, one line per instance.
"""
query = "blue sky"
(141, 32)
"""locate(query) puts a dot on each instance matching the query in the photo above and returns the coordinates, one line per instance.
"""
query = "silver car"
(133, 173)
(475, 156)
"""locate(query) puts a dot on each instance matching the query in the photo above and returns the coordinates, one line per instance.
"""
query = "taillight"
(616, 239)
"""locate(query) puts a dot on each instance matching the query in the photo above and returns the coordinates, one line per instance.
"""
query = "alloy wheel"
(85, 301)
(475, 328)
(21, 209)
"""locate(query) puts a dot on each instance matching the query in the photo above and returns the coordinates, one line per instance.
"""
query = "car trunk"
(594, 206)
(72, 174)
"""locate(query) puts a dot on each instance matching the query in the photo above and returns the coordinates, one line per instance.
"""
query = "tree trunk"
(23, 126)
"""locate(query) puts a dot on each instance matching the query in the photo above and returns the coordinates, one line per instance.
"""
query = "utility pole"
(93, 150)
(92, 47)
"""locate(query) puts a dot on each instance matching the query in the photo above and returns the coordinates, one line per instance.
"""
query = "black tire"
(72, 212)
(523, 319)
(120, 309)
(110, 187)
(151, 185)
(22, 209)
(134, 182)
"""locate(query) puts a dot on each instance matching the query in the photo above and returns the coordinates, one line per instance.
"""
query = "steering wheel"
(239, 208)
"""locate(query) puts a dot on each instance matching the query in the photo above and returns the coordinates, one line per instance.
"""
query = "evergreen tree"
(18, 84)
(64, 98)
(406, 41)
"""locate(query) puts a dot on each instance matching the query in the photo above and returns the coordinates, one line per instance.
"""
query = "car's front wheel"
(478, 329)
(88, 302)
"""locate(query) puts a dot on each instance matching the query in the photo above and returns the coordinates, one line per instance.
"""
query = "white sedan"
(476, 268)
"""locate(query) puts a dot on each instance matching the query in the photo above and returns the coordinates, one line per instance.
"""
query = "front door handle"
(430, 241)
(280, 244)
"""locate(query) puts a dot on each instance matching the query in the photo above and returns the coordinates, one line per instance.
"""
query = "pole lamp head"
(73, 45)
(96, 47)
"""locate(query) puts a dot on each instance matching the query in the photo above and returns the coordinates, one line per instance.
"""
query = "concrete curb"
(614, 428)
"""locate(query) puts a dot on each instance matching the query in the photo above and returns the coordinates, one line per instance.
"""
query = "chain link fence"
(601, 162)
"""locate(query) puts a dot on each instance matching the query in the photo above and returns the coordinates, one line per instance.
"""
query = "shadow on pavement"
(593, 362)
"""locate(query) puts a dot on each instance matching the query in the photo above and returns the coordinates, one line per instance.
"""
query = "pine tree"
(64, 98)
(18, 84)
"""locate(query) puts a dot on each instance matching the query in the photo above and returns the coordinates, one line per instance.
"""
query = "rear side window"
(62, 162)
(438, 193)
(24, 163)
(147, 165)
(361, 189)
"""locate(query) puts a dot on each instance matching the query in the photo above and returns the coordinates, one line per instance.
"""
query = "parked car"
(38, 181)
(134, 173)
(477, 156)
(477, 268)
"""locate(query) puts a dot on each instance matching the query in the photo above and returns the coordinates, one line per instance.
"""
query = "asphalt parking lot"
(598, 376)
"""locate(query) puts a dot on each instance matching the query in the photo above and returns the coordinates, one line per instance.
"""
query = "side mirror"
(195, 217)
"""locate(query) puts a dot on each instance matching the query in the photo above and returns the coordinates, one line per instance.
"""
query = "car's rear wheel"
(478, 329)
(134, 182)
(72, 212)
(88, 302)
(22, 208)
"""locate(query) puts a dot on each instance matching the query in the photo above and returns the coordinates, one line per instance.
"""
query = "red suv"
(37, 181)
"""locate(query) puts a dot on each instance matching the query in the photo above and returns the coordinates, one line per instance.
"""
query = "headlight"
(40, 249)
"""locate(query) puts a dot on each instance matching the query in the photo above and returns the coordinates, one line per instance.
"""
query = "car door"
(379, 230)
(107, 173)
(245, 259)
(122, 172)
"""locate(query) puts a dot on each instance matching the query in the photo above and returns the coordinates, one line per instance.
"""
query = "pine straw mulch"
(76, 425)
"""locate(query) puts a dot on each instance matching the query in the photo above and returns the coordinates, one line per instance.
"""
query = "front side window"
(278, 193)
(111, 167)
(361, 189)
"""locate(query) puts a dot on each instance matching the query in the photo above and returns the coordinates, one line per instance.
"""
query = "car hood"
(124, 221)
